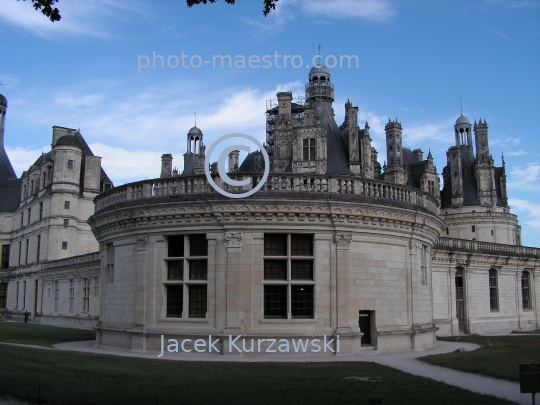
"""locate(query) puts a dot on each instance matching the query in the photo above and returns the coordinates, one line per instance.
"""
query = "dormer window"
(309, 148)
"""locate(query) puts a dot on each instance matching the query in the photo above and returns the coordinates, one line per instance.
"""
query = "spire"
(460, 105)
(6, 169)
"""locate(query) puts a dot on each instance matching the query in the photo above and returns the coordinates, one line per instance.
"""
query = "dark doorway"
(460, 300)
(364, 321)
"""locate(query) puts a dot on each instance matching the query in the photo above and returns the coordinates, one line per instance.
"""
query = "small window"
(40, 211)
(175, 300)
(38, 248)
(64, 245)
(197, 301)
(70, 164)
(447, 231)
(66, 205)
(66, 223)
(473, 228)
(96, 286)
(492, 232)
(5, 257)
(3, 295)
(308, 148)
(198, 245)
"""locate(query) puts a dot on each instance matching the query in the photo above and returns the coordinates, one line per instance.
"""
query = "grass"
(41, 335)
(500, 360)
(84, 379)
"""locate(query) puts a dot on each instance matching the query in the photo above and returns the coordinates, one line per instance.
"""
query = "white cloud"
(529, 209)
(525, 178)
(8, 80)
(21, 158)
(499, 34)
(516, 153)
(79, 17)
(372, 10)
(124, 166)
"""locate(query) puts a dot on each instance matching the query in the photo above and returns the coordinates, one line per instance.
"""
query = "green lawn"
(41, 335)
(501, 360)
(78, 378)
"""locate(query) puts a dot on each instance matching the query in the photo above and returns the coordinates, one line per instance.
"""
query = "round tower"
(319, 88)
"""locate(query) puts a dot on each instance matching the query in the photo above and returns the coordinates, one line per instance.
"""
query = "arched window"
(493, 293)
(525, 288)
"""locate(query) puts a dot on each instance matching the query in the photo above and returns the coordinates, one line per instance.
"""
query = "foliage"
(268, 4)
(46, 7)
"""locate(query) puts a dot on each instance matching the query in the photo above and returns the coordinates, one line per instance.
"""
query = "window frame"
(309, 148)
(289, 283)
(3, 295)
(86, 295)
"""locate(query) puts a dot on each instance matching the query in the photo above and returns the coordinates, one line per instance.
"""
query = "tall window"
(56, 294)
(5, 257)
(3, 295)
(109, 262)
(459, 284)
(187, 275)
(308, 146)
(17, 296)
(493, 293)
(288, 276)
(64, 245)
(38, 247)
(71, 294)
(24, 295)
(26, 251)
(86, 294)
(41, 208)
(431, 187)
(424, 264)
(20, 253)
(28, 214)
(66, 205)
(96, 286)
(525, 289)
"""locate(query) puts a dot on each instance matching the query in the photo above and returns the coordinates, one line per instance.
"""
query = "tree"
(46, 7)
(53, 14)
(268, 4)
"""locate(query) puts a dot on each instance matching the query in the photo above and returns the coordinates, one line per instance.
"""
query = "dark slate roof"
(336, 148)
(44, 156)
(248, 165)
(10, 192)
(68, 140)
(6, 170)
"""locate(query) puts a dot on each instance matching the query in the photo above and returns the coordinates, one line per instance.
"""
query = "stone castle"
(333, 244)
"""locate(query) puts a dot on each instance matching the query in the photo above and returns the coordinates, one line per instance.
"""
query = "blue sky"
(415, 59)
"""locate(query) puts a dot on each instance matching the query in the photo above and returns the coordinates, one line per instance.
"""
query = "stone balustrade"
(486, 247)
(276, 183)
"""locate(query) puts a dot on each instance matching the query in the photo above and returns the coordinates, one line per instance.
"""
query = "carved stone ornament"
(343, 241)
(234, 239)
(141, 243)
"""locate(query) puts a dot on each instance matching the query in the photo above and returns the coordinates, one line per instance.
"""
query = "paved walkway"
(406, 362)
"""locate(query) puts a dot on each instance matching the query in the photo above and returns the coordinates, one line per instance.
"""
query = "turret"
(319, 87)
(395, 172)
